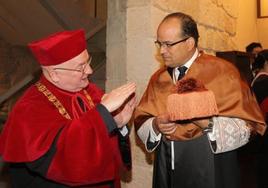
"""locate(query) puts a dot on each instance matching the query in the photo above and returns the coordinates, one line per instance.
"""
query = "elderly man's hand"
(124, 114)
(113, 100)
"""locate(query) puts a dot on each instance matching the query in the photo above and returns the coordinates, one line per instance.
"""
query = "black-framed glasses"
(159, 44)
(82, 69)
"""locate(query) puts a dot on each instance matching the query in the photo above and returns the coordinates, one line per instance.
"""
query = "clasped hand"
(162, 124)
(121, 102)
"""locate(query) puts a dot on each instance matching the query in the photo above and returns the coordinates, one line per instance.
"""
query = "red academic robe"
(84, 152)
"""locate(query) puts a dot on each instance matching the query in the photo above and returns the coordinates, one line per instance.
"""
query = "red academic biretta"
(59, 47)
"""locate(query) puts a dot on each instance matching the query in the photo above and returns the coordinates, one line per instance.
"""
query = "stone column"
(130, 53)
(116, 63)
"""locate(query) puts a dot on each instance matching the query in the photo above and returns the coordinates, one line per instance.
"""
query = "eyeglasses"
(159, 44)
(82, 69)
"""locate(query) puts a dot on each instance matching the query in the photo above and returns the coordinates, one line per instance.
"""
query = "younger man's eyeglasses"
(159, 44)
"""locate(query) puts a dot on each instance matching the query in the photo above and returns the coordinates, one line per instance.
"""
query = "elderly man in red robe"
(64, 131)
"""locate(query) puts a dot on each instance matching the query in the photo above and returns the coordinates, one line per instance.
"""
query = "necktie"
(182, 71)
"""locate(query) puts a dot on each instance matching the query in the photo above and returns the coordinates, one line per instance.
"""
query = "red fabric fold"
(86, 153)
(95, 155)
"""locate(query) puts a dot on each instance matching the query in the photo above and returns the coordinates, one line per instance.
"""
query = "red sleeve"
(264, 107)
(30, 130)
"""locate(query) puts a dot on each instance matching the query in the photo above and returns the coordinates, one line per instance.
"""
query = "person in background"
(260, 88)
(254, 48)
(199, 152)
(260, 66)
(61, 132)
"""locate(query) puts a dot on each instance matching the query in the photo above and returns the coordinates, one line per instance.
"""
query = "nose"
(163, 49)
(88, 70)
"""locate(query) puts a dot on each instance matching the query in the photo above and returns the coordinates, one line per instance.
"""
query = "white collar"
(187, 64)
(190, 61)
(258, 75)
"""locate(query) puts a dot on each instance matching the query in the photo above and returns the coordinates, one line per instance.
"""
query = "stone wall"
(216, 20)
(262, 25)
(15, 63)
(247, 30)
(4, 78)
(131, 54)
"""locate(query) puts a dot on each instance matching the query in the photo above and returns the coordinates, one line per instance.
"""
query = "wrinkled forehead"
(79, 59)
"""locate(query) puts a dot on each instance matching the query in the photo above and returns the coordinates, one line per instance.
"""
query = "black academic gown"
(205, 169)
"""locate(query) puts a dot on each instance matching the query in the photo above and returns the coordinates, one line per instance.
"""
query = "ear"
(190, 43)
(53, 75)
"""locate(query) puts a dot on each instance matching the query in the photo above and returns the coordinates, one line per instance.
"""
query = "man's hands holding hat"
(162, 124)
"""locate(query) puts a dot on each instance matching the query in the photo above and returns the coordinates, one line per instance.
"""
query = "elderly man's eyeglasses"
(159, 44)
(81, 69)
